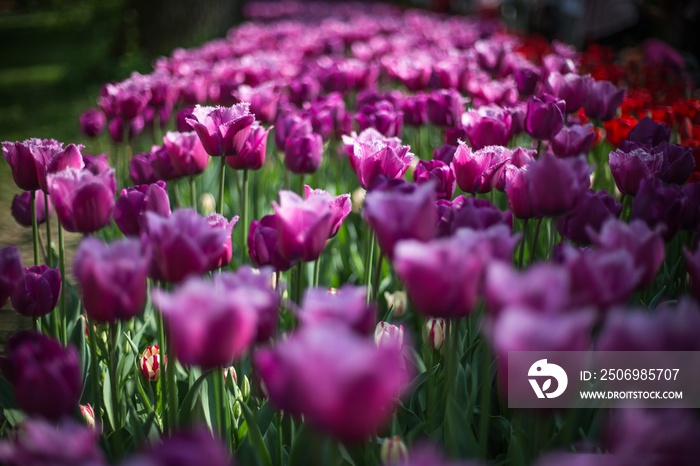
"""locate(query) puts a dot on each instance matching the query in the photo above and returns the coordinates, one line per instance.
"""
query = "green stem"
(49, 258)
(114, 374)
(533, 250)
(244, 211)
(377, 276)
(522, 245)
(539, 148)
(485, 403)
(368, 265)
(280, 446)
(165, 412)
(222, 179)
(193, 192)
(317, 270)
(220, 393)
(173, 400)
(297, 283)
(94, 369)
(35, 229)
(62, 269)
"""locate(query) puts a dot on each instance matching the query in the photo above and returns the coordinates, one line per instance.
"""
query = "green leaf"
(107, 397)
(190, 400)
(7, 394)
(255, 437)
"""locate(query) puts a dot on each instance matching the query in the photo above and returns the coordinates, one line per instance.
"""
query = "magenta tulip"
(25, 159)
(340, 205)
(303, 225)
(439, 173)
(222, 130)
(92, 122)
(372, 155)
(346, 306)
(208, 324)
(39, 293)
(544, 117)
(83, 201)
(603, 100)
(218, 221)
(480, 171)
(252, 155)
(22, 209)
(339, 382)
(263, 244)
(11, 272)
(112, 278)
(186, 153)
(133, 203)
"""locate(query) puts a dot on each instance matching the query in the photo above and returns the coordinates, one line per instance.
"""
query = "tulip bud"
(434, 333)
(88, 414)
(245, 388)
(207, 204)
(231, 370)
(150, 363)
(393, 451)
(387, 335)
(237, 410)
(396, 302)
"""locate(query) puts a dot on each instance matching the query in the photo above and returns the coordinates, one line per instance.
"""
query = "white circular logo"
(542, 370)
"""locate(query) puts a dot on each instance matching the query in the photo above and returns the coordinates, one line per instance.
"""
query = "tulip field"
(316, 240)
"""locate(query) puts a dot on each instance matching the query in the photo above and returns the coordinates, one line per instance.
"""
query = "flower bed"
(300, 301)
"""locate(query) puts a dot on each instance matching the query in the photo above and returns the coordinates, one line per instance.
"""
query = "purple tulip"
(441, 175)
(555, 186)
(517, 158)
(96, 164)
(340, 382)
(678, 164)
(181, 116)
(372, 155)
(477, 214)
(303, 89)
(666, 329)
(603, 278)
(218, 221)
(222, 130)
(266, 300)
(186, 153)
(263, 100)
(116, 129)
(184, 448)
(25, 159)
(208, 324)
(488, 125)
(183, 244)
(445, 108)
(592, 211)
(22, 209)
(112, 278)
(381, 116)
(263, 246)
(83, 201)
(554, 63)
(163, 165)
(252, 156)
(527, 78)
(290, 125)
(303, 225)
(11, 272)
(445, 153)
(632, 163)
(517, 189)
(128, 98)
(657, 205)
(415, 110)
(141, 169)
(573, 140)
(544, 117)
(478, 172)
(39, 293)
(649, 133)
(571, 88)
(406, 211)
(303, 153)
(42, 443)
(442, 276)
(542, 288)
(645, 245)
(603, 100)
(92, 122)
(692, 262)
(521, 329)
(340, 205)
(133, 203)
(45, 376)
(346, 306)
(690, 219)
(653, 437)
(57, 161)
